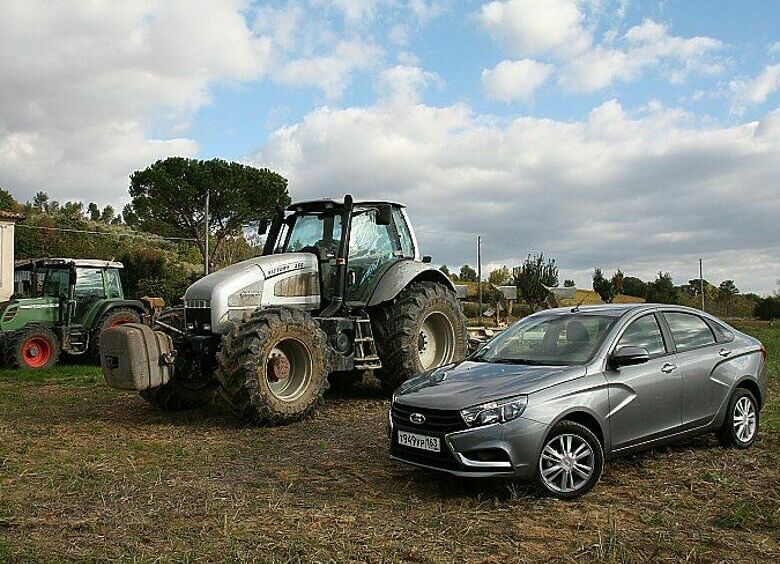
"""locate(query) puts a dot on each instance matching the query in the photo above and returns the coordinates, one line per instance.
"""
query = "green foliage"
(603, 287)
(445, 270)
(94, 211)
(768, 308)
(500, 276)
(618, 279)
(662, 289)
(531, 278)
(569, 283)
(467, 274)
(633, 286)
(7, 201)
(169, 198)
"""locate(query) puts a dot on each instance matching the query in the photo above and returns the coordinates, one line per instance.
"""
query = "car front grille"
(437, 421)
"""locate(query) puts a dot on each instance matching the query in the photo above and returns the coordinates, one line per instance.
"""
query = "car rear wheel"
(571, 461)
(740, 427)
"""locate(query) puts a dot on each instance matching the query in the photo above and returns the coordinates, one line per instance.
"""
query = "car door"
(645, 400)
(698, 354)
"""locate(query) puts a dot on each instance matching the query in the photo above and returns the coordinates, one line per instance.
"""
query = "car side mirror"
(384, 214)
(629, 356)
(262, 226)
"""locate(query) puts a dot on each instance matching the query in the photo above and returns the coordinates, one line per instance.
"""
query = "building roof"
(11, 216)
(89, 263)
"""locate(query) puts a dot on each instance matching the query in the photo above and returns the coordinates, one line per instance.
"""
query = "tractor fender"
(111, 304)
(403, 273)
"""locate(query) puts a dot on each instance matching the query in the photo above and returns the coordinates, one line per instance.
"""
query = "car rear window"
(689, 331)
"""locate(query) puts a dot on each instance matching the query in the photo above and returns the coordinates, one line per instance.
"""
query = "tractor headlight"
(494, 412)
(249, 296)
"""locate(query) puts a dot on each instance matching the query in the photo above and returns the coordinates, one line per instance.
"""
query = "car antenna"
(576, 308)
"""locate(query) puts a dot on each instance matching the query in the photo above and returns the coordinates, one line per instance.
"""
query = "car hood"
(471, 383)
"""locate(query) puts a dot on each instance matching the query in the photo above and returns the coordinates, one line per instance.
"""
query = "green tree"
(468, 274)
(768, 308)
(533, 277)
(618, 280)
(569, 283)
(662, 289)
(107, 215)
(500, 276)
(7, 201)
(169, 198)
(726, 292)
(41, 201)
(633, 286)
(445, 270)
(603, 287)
(93, 211)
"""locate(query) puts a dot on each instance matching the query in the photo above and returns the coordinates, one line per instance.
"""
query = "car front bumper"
(501, 449)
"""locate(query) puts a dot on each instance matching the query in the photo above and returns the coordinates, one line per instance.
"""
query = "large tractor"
(341, 288)
(62, 305)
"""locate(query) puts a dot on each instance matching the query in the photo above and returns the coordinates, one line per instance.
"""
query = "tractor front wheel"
(273, 367)
(33, 349)
(421, 329)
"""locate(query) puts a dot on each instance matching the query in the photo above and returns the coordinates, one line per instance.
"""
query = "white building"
(7, 224)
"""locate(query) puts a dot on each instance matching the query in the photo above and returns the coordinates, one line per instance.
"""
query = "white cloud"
(83, 83)
(510, 81)
(641, 192)
(530, 27)
(403, 84)
(647, 45)
(332, 72)
(755, 90)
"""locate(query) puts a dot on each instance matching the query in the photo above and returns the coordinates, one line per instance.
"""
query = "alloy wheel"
(567, 463)
(744, 419)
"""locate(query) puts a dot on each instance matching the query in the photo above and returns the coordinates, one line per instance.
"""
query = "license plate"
(422, 442)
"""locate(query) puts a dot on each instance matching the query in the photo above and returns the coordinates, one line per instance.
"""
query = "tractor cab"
(355, 243)
(67, 301)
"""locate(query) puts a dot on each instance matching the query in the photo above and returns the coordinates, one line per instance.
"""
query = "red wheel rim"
(36, 352)
(120, 321)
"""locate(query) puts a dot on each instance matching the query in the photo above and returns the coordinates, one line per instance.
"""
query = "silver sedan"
(561, 391)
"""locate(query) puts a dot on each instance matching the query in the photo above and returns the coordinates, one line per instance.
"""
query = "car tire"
(570, 462)
(740, 426)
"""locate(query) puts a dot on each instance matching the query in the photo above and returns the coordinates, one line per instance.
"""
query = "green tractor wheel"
(33, 349)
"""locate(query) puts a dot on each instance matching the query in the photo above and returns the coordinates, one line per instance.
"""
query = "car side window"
(723, 333)
(644, 332)
(689, 331)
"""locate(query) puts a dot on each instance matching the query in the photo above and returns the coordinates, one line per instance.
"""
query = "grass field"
(91, 474)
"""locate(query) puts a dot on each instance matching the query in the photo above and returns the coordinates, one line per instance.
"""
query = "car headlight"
(494, 412)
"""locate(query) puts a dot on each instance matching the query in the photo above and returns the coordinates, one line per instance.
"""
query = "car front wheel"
(570, 462)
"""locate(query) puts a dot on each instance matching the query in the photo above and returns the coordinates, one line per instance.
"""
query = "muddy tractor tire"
(422, 328)
(112, 318)
(181, 393)
(34, 348)
(273, 367)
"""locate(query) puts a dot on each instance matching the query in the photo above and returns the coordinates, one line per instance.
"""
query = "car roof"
(323, 202)
(61, 261)
(618, 310)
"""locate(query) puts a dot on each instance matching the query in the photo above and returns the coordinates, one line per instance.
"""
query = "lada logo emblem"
(417, 418)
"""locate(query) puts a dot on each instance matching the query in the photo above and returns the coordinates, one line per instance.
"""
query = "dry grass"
(91, 474)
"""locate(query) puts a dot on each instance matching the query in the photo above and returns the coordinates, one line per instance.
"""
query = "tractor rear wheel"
(112, 318)
(421, 329)
(182, 392)
(273, 367)
(33, 349)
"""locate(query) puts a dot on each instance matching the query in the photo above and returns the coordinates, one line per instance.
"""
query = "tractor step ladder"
(366, 356)
(77, 339)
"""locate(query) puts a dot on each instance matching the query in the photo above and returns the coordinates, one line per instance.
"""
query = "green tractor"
(62, 305)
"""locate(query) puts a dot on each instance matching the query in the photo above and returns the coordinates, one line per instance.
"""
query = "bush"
(768, 308)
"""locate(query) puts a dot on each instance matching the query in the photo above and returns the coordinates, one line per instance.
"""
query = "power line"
(149, 237)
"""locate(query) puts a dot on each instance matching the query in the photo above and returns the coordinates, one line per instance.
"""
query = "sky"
(604, 133)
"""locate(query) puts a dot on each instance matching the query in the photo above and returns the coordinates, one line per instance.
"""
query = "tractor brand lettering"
(38, 306)
(281, 269)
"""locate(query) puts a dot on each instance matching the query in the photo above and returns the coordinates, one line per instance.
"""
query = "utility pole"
(701, 282)
(206, 234)
(479, 275)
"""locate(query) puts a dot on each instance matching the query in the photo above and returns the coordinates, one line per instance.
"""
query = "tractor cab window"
(371, 248)
(320, 234)
(114, 284)
(89, 289)
(404, 235)
(56, 282)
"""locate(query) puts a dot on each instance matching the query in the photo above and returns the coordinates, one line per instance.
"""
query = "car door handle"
(668, 368)
(724, 353)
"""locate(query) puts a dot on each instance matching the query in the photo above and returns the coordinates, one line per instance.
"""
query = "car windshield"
(548, 340)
